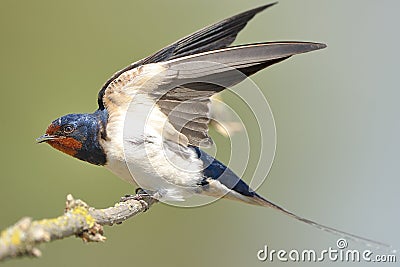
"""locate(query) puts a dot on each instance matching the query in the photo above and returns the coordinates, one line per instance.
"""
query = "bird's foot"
(139, 196)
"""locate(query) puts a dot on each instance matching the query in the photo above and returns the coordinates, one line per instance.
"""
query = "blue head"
(78, 135)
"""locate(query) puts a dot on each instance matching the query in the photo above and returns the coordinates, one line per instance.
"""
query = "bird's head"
(76, 135)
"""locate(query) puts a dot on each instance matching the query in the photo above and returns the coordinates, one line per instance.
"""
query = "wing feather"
(215, 36)
(179, 80)
(185, 99)
(181, 88)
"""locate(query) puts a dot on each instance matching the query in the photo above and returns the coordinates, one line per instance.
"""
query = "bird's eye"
(67, 129)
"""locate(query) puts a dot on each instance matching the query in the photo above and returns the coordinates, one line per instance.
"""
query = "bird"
(153, 115)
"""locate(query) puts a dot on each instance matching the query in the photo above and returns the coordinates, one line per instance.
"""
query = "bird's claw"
(140, 191)
(145, 205)
(140, 194)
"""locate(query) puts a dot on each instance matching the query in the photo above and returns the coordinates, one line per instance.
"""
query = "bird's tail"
(221, 179)
(260, 201)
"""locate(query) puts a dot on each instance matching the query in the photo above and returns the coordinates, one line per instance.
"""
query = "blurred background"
(336, 113)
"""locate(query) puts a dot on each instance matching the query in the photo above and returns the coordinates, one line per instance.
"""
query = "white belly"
(158, 169)
(143, 149)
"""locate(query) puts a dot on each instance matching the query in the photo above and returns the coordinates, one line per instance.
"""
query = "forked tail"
(259, 200)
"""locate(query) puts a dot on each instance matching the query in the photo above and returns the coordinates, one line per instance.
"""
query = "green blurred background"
(336, 112)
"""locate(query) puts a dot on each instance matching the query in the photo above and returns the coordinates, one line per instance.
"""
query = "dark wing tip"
(308, 47)
(317, 46)
(294, 48)
(267, 6)
(252, 12)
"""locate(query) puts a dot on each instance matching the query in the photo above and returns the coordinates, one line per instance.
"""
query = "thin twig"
(22, 238)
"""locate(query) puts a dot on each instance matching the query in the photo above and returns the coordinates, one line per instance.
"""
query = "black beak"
(45, 138)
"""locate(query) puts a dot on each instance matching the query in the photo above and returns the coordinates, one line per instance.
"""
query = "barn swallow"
(153, 116)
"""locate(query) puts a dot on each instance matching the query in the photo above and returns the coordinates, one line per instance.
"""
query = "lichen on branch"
(79, 219)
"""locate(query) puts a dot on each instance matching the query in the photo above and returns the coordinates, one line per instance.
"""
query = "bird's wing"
(215, 36)
(180, 88)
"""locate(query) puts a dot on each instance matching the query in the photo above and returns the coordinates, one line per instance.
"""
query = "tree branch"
(22, 238)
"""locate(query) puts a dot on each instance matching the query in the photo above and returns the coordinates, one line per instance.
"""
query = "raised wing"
(215, 36)
(180, 88)
(185, 99)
